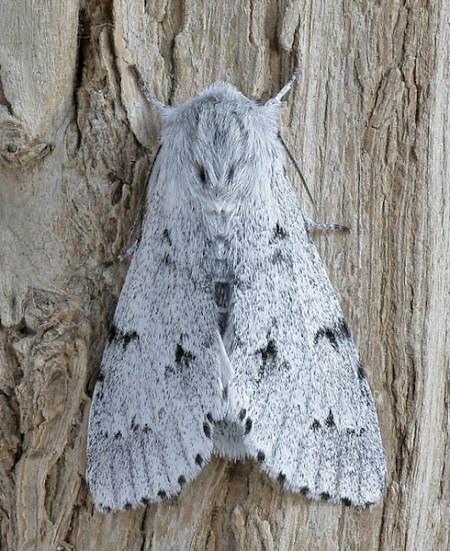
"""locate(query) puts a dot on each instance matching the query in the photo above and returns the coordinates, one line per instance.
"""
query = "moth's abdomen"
(222, 281)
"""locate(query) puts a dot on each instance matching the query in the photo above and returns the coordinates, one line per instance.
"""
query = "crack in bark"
(3, 99)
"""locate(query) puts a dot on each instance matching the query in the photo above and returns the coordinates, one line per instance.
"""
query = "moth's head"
(218, 145)
(222, 135)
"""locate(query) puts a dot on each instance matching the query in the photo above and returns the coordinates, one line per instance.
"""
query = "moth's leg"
(128, 252)
(312, 225)
(140, 206)
(320, 226)
(149, 96)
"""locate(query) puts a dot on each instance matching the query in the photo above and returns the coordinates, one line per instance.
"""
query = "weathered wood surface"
(368, 121)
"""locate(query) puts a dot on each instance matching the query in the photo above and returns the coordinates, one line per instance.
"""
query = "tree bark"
(368, 120)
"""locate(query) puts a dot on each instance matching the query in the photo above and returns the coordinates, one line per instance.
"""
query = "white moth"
(228, 337)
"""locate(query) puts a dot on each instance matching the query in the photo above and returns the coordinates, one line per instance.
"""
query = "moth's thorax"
(226, 145)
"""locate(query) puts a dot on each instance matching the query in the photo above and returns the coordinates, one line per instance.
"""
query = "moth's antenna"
(148, 95)
(286, 87)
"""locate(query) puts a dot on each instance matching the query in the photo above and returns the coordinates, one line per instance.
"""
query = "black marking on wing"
(346, 501)
(261, 456)
(339, 332)
(127, 505)
(278, 254)
(269, 352)
(182, 356)
(207, 429)
(248, 426)
(112, 333)
(304, 490)
(145, 501)
(181, 481)
(281, 478)
(342, 329)
(325, 495)
(242, 414)
(162, 494)
(328, 334)
(329, 421)
(353, 432)
(166, 236)
(100, 377)
(199, 460)
(315, 425)
(126, 338)
(231, 173)
(268, 356)
(134, 425)
(279, 232)
(167, 260)
(99, 389)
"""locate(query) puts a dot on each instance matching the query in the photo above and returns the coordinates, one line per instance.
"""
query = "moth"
(228, 337)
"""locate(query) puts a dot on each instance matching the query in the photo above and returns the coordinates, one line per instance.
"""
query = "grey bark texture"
(368, 121)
